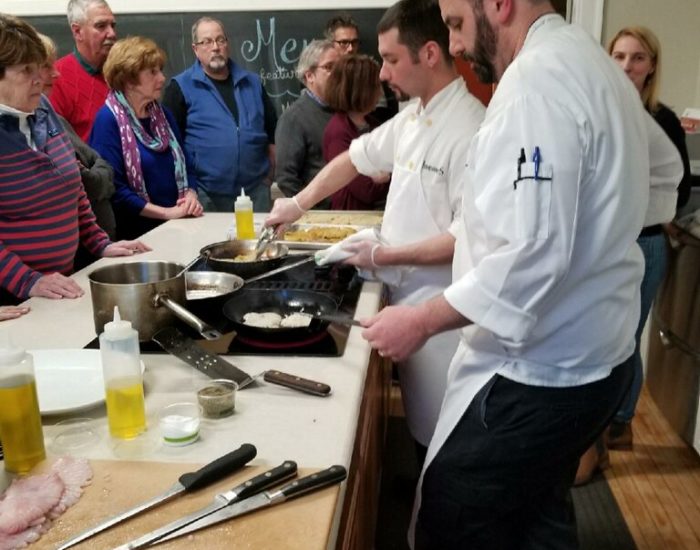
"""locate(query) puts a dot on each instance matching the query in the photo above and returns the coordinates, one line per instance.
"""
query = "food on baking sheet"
(296, 320)
(262, 320)
(342, 218)
(30, 504)
(319, 234)
(275, 320)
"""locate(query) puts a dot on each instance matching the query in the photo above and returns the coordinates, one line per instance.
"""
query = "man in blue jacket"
(227, 120)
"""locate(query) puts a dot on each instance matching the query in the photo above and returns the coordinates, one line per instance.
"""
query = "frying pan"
(282, 302)
(220, 257)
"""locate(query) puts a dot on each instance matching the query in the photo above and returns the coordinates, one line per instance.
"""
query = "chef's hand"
(56, 286)
(396, 332)
(285, 210)
(12, 312)
(125, 248)
(190, 204)
(365, 254)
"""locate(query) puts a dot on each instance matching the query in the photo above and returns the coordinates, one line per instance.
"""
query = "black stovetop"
(340, 282)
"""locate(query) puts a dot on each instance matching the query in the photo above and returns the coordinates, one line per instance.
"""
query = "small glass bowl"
(179, 423)
(218, 398)
(74, 434)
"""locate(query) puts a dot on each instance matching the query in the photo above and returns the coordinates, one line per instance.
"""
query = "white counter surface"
(283, 424)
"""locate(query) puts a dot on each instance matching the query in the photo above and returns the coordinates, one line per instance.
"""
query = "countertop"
(282, 424)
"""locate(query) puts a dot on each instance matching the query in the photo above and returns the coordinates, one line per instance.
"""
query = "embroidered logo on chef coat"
(434, 169)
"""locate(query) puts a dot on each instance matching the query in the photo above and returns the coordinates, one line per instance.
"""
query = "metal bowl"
(220, 257)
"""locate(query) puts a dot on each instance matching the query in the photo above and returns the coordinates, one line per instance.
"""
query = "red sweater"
(77, 95)
(44, 210)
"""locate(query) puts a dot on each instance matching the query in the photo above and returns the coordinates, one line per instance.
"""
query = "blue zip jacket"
(224, 156)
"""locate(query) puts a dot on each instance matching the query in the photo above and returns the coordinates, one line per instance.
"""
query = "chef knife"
(298, 487)
(292, 381)
(190, 481)
(246, 489)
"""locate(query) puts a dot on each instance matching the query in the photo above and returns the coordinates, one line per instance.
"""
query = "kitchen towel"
(390, 275)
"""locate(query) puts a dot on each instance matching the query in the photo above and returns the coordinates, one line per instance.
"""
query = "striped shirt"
(44, 211)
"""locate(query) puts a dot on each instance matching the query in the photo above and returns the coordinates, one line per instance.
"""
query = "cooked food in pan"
(247, 257)
(319, 234)
(275, 320)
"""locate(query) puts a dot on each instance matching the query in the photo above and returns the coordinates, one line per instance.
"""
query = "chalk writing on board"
(275, 60)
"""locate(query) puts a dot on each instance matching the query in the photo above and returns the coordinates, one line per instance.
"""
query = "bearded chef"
(546, 279)
(424, 147)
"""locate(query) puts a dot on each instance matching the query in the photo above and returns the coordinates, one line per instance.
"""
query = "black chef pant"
(502, 479)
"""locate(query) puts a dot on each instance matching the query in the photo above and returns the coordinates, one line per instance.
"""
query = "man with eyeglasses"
(227, 120)
(299, 134)
(80, 90)
(342, 30)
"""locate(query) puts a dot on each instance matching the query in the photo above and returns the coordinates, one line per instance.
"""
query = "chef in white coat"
(546, 279)
(425, 148)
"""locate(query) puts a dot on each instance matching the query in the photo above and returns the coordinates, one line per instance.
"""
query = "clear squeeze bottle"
(20, 421)
(121, 366)
(243, 208)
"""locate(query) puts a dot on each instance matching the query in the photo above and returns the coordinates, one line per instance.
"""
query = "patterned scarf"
(131, 129)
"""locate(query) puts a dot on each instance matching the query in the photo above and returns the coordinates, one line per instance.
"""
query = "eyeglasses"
(328, 67)
(345, 44)
(209, 42)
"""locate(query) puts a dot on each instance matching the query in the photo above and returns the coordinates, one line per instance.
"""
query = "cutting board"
(302, 523)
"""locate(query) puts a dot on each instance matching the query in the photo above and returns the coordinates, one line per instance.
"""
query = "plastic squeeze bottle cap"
(243, 201)
(118, 328)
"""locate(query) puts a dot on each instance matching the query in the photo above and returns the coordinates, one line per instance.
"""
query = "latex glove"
(395, 332)
(12, 312)
(124, 248)
(284, 211)
(56, 286)
(364, 252)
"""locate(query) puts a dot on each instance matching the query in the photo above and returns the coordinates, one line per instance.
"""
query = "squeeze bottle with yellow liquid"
(20, 421)
(121, 367)
(243, 209)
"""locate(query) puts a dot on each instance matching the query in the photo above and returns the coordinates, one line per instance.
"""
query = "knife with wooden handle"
(188, 482)
(298, 487)
(246, 489)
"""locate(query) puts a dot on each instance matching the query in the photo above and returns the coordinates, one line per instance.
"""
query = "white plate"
(69, 380)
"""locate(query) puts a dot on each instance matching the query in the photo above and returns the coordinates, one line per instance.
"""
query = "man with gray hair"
(227, 122)
(81, 89)
(299, 135)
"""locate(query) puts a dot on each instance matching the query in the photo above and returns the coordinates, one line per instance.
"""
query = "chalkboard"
(266, 42)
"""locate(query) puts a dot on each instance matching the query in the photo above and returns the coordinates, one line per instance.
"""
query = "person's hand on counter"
(190, 204)
(12, 312)
(124, 248)
(56, 286)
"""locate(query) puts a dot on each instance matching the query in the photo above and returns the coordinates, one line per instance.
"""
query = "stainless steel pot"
(148, 294)
(220, 257)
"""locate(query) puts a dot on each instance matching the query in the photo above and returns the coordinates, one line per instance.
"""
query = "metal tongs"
(266, 237)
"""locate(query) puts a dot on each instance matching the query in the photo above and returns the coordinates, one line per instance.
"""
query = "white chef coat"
(548, 269)
(425, 149)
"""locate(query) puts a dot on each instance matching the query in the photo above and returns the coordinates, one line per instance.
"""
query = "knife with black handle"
(246, 489)
(296, 488)
(190, 481)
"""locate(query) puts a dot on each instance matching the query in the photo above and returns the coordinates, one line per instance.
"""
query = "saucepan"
(221, 257)
(149, 294)
(282, 302)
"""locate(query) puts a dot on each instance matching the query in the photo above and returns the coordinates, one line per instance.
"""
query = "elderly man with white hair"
(299, 134)
(81, 89)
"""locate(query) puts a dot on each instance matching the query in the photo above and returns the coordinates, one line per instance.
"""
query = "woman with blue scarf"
(140, 140)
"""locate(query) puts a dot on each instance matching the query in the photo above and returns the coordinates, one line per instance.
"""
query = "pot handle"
(206, 330)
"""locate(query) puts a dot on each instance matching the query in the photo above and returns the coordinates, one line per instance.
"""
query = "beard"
(217, 63)
(484, 48)
(400, 94)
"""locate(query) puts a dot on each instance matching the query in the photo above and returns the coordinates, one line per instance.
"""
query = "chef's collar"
(539, 23)
(22, 122)
(85, 65)
(436, 101)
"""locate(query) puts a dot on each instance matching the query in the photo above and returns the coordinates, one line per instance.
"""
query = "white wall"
(677, 24)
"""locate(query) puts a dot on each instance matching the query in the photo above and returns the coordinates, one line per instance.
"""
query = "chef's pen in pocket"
(530, 170)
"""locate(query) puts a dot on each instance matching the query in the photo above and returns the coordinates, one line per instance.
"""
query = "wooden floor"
(657, 485)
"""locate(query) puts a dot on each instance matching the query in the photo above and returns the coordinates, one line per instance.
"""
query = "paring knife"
(246, 489)
(190, 481)
(296, 488)
(181, 346)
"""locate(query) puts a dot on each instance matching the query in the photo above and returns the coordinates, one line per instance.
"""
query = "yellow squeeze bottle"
(243, 209)
(121, 366)
(20, 420)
